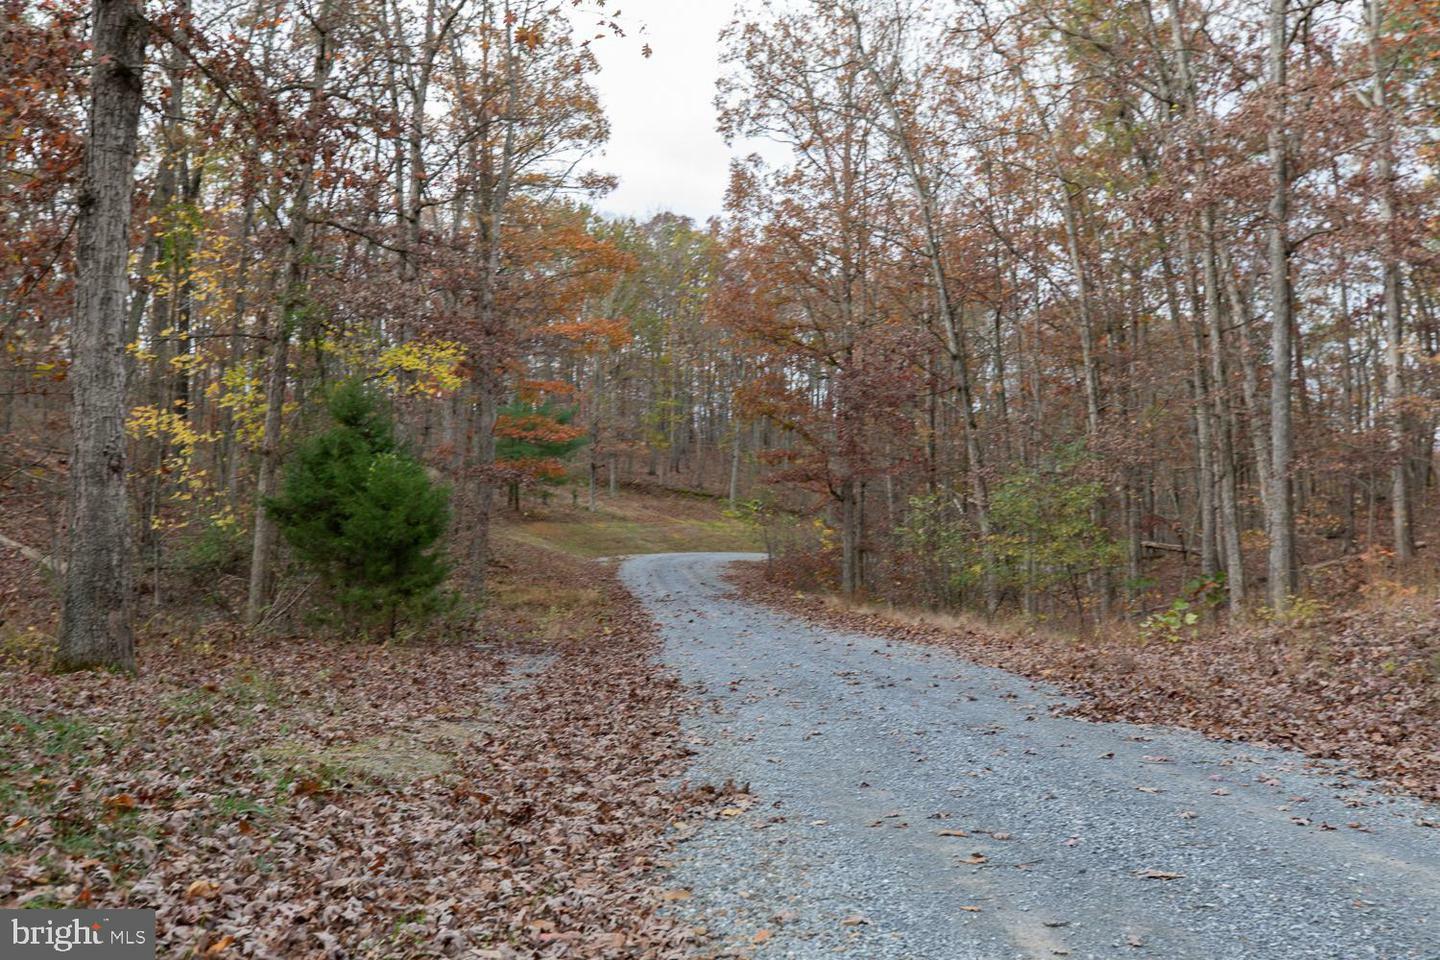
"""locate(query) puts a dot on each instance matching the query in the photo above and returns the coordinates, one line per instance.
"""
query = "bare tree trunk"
(735, 462)
(1280, 512)
(292, 300)
(1224, 425)
(96, 627)
(1250, 380)
(1394, 321)
(849, 539)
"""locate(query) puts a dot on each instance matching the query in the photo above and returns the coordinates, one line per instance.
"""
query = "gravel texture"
(1079, 839)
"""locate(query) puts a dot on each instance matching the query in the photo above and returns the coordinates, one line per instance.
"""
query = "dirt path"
(910, 804)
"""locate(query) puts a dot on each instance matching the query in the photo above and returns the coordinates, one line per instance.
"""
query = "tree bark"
(1280, 511)
(96, 628)
(1402, 532)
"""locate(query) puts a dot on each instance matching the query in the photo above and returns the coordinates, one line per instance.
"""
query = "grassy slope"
(630, 523)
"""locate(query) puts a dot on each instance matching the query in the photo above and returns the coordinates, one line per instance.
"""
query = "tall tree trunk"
(1259, 429)
(1280, 512)
(1225, 465)
(849, 538)
(96, 627)
(292, 301)
(1394, 320)
(1225, 468)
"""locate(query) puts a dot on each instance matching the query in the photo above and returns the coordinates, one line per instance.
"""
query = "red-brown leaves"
(303, 798)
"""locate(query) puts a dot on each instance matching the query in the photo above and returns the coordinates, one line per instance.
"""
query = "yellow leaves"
(436, 365)
(180, 440)
(156, 424)
(189, 361)
(140, 353)
(239, 392)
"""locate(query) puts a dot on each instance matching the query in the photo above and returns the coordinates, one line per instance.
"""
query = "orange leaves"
(120, 803)
(220, 946)
(531, 391)
(539, 468)
(202, 890)
(593, 336)
(536, 428)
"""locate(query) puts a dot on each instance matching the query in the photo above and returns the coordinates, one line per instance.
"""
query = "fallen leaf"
(951, 833)
(975, 858)
(677, 894)
(761, 936)
(219, 946)
(1158, 874)
(970, 909)
(202, 890)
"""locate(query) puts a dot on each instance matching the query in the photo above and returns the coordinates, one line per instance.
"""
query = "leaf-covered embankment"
(305, 798)
(1362, 687)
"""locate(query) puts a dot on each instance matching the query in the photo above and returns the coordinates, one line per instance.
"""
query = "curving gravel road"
(911, 804)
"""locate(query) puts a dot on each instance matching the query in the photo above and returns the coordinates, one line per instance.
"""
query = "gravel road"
(911, 804)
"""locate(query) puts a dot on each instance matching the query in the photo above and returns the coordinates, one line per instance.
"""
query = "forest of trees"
(1049, 290)
(1052, 308)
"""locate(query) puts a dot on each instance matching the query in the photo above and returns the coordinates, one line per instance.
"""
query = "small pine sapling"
(363, 514)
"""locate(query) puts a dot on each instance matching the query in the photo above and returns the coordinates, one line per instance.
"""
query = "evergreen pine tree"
(363, 514)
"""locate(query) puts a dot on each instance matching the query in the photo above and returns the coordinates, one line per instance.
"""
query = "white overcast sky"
(663, 144)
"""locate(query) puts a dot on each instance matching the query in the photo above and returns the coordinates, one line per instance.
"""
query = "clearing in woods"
(629, 523)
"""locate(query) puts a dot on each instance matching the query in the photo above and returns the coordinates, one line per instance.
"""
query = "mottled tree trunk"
(95, 623)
